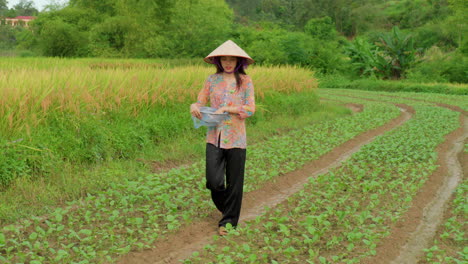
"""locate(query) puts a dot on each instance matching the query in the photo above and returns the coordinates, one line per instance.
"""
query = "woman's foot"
(222, 231)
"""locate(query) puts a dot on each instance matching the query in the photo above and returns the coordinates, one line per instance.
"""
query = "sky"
(38, 4)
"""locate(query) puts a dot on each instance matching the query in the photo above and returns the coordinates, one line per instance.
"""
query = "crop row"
(340, 216)
(133, 214)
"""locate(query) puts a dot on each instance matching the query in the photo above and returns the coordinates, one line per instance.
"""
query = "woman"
(228, 90)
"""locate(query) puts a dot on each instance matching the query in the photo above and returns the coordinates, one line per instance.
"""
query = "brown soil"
(193, 236)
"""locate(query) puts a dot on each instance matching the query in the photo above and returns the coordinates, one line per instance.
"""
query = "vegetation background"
(417, 40)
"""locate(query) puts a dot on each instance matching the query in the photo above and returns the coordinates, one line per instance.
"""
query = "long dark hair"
(240, 69)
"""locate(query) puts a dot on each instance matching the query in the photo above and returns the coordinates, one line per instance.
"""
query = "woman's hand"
(195, 111)
(221, 110)
(229, 109)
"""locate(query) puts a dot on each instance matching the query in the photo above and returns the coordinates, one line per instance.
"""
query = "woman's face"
(229, 63)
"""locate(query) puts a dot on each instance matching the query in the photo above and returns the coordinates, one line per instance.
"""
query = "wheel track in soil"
(192, 237)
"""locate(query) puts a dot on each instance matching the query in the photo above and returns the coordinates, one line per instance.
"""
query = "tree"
(400, 51)
(391, 56)
(25, 8)
(321, 28)
(195, 28)
(115, 36)
(60, 39)
(367, 59)
(245, 9)
(458, 20)
(3, 7)
(53, 5)
(107, 7)
(7, 37)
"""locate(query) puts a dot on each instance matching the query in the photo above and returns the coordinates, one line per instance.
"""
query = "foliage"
(193, 31)
(441, 67)
(82, 18)
(278, 46)
(26, 40)
(339, 81)
(115, 36)
(458, 21)
(413, 13)
(3, 7)
(350, 17)
(142, 28)
(390, 57)
(321, 28)
(60, 39)
(366, 59)
(435, 34)
(104, 7)
(7, 37)
(25, 8)
(399, 50)
(299, 32)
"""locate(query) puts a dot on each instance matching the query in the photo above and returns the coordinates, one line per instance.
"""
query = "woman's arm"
(245, 110)
(248, 108)
(229, 109)
(202, 99)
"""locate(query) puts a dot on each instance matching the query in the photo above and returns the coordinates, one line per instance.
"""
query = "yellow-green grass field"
(84, 87)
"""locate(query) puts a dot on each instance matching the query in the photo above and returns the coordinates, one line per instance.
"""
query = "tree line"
(380, 38)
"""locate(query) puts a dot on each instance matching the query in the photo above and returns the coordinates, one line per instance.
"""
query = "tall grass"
(62, 110)
(28, 95)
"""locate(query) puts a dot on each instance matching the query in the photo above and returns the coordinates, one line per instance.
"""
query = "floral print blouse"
(231, 132)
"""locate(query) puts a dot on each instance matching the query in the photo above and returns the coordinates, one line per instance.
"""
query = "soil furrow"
(194, 236)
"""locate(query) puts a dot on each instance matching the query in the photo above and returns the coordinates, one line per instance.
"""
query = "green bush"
(366, 59)
(278, 46)
(434, 34)
(438, 66)
(339, 81)
(60, 39)
(390, 58)
(7, 37)
(20, 159)
(321, 28)
(115, 37)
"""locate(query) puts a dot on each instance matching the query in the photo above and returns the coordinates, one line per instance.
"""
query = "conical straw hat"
(228, 48)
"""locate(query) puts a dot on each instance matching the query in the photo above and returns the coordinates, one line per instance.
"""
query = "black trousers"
(226, 193)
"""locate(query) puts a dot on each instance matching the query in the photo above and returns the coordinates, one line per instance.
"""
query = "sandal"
(222, 231)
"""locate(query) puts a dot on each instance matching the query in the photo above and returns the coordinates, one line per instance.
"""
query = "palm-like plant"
(399, 51)
(366, 58)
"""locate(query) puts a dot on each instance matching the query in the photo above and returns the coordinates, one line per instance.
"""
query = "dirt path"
(194, 236)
